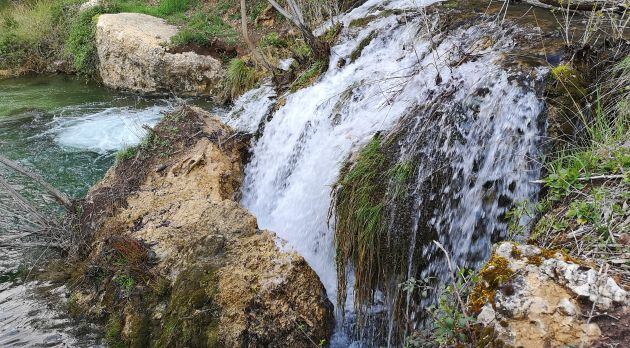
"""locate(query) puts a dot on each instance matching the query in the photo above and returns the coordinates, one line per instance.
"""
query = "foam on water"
(106, 130)
(409, 76)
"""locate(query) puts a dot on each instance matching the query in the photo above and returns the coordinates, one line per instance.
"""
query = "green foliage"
(164, 8)
(309, 76)
(359, 227)
(273, 40)
(80, 44)
(240, 77)
(113, 332)
(126, 153)
(32, 33)
(126, 284)
(332, 33)
(451, 325)
(203, 28)
(191, 318)
(356, 53)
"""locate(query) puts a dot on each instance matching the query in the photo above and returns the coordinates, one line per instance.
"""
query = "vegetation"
(240, 77)
(356, 53)
(309, 76)
(365, 238)
(204, 28)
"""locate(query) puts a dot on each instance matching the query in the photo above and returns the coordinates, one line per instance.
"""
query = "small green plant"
(273, 40)
(126, 284)
(126, 153)
(203, 28)
(113, 332)
(356, 53)
(309, 76)
(240, 77)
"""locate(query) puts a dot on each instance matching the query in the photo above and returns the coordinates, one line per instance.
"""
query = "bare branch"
(58, 195)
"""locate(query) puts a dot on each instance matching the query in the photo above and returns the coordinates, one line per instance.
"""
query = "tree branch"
(58, 195)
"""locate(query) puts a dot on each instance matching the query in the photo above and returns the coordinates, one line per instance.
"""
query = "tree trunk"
(257, 55)
(320, 49)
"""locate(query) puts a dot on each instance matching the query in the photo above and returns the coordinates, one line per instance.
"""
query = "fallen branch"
(58, 195)
(592, 178)
(23, 202)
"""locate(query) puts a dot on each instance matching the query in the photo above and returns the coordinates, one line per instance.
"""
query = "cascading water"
(451, 104)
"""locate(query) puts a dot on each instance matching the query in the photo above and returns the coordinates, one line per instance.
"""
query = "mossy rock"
(191, 316)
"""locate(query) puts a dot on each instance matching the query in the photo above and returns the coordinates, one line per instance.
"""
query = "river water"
(67, 131)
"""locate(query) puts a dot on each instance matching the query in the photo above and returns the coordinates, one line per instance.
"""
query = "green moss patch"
(191, 317)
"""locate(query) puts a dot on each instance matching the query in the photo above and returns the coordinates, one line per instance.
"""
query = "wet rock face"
(547, 299)
(132, 52)
(214, 279)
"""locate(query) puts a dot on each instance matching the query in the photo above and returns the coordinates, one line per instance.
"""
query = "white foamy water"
(297, 159)
(106, 130)
(466, 110)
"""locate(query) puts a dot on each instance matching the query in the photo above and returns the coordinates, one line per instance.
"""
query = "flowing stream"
(463, 112)
(67, 131)
(468, 122)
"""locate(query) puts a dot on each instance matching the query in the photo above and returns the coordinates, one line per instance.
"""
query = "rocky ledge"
(176, 262)
(133, 55)
(533, 297)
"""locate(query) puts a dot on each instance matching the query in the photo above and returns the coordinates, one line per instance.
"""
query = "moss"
(535, 260)
(191, 317)
(356, 53)
(331, 34)
(113, 332)
(495, 273)
(309, 76)
(126, 153)
(361, 22)
(515, 253)
(273, 40)
(568, 80)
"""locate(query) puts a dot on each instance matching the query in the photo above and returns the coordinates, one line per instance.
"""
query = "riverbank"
(395, 168)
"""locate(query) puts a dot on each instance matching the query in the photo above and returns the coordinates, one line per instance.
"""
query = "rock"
(230, 282)
(133, 55)
(535, 305)
(88, 5)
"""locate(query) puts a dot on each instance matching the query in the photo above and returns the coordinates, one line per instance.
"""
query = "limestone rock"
(133, 55)
(232, 282)
(538, 305)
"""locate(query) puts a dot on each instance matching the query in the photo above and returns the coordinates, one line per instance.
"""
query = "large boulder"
(533, 297)
(133, 55)
(179, 263)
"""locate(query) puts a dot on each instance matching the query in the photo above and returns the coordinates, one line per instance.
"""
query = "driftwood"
(58, 195)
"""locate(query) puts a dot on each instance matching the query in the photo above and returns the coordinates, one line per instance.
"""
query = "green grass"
(240, 77)
(273, 40)
(35, 33)
(126, 153)
(80, 43)
(203, 28)
(309, 76)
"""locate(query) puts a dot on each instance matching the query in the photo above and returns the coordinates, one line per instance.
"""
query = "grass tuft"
(240, 77)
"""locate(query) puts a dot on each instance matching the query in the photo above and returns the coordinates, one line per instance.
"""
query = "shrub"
(80, 44)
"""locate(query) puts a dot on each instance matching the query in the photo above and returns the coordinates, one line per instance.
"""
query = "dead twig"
(58, 195)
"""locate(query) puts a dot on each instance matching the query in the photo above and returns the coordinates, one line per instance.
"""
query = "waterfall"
(468, 120)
